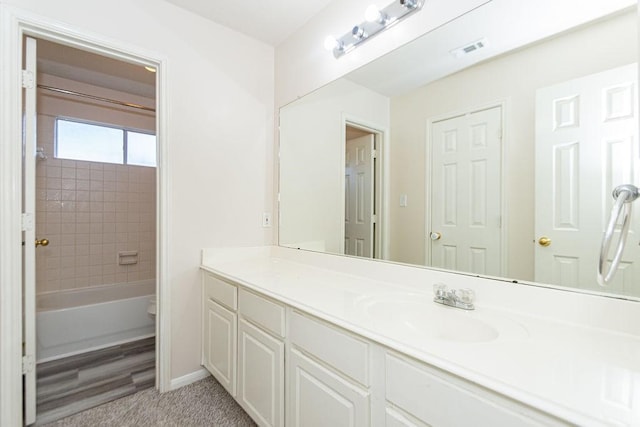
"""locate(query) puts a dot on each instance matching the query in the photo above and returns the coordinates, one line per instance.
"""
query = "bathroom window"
(92, 142)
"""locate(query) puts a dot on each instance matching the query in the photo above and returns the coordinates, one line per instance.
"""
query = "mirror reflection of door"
(586, 145)
(359, 215)
(466, 224)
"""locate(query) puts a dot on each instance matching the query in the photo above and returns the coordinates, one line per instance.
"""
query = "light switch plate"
(266, 219)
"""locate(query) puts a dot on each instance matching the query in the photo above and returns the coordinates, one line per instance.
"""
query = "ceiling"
(86, 67)
(271, 21)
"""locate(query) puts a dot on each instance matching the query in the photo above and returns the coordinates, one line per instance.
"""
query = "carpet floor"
(203, 403)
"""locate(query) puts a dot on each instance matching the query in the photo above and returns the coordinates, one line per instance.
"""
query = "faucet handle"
(440, 290)
(465, 296)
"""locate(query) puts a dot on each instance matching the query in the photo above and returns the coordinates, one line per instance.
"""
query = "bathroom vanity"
(302, 339)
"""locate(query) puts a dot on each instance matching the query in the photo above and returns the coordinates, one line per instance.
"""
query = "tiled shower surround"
(90, 212)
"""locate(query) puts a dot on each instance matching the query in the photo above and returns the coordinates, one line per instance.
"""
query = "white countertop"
(560, 352)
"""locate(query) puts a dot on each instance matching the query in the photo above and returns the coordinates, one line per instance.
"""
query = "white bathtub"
(76, 321)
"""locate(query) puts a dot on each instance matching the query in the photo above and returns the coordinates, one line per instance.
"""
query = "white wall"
(312, 155)
(220, 146)
(514, 77)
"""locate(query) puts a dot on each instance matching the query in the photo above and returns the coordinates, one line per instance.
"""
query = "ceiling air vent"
(469, 48)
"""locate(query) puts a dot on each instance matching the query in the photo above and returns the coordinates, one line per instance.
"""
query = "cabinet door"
(393, 418)
(220, 340)
(319, 397)
(260, 375)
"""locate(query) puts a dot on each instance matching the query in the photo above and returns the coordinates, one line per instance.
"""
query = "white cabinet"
(328, 375)
(436, 398)
(261, 359)
(270, 357)
(219, 332)
(318, 396)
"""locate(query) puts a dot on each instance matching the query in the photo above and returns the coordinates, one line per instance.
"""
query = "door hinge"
(28, 364)
(374, 219)
(374, 154)
(27, 221)
(28, 79)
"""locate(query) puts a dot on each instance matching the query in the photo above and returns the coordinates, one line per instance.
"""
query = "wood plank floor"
(76, 383)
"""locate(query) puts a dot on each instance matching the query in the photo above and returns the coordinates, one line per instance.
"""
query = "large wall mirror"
(489, 146)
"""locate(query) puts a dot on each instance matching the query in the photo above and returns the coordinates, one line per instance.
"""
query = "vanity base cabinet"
(318, 397)
(287, 367)
(394, 418)
(220, 343)
(260, 375)
(435, 398)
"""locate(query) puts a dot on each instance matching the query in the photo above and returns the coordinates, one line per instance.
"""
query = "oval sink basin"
(418, 315)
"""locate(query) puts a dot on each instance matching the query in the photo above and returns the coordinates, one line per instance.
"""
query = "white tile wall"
(89, 212)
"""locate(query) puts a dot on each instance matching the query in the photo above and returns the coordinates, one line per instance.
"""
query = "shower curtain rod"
(96, 98)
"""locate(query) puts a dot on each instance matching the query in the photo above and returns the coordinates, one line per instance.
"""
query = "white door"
(358, 214)
(586, 145)
(29, 237)
(465, 203)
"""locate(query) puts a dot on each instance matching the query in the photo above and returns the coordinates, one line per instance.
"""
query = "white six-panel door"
(586, 145)
(358, 215)
(465, 203)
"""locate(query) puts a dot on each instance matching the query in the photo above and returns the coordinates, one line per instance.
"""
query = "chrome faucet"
(460, 298)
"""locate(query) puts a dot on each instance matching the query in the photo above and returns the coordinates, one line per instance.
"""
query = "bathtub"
(80, 320)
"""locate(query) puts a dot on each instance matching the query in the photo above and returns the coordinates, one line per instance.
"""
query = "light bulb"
(330, 43)
(150, 69)
(372, 14)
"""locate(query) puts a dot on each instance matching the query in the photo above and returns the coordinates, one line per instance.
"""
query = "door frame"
(381, 179)
(503, 104)
(19, 24)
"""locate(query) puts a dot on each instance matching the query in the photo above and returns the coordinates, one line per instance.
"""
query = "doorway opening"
(92, 192)
(363, 191)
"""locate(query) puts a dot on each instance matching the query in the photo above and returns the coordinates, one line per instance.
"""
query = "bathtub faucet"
(459, 298)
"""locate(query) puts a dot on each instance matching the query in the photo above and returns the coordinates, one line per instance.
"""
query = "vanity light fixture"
(376, 20)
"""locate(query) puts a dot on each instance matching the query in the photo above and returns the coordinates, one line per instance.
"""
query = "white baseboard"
(189, 378)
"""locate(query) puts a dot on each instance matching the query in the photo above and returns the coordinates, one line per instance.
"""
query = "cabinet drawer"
(262, 312)
(220, 291)
(437, 401)
(346, 353)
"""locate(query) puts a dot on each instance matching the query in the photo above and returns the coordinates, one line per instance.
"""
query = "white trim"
(10, 214)
(382, 206)
(15, 24)
(503, 104)
(191, 378)
(163, 215)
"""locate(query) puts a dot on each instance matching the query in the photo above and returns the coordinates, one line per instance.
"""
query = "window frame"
(125, 140)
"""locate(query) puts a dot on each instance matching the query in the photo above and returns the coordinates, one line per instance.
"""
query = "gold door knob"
(435, 235)
(544, 241)
(42, 242)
